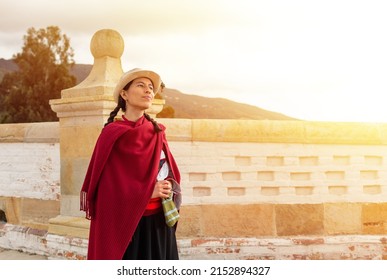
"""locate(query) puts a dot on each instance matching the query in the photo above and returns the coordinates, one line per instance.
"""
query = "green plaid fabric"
(170, 212)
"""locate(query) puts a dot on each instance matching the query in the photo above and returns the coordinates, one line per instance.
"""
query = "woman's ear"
(123, 94)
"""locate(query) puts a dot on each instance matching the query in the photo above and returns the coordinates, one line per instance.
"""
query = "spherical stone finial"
(107, 42)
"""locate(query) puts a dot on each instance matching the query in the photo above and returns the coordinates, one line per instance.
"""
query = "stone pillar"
(82, 112)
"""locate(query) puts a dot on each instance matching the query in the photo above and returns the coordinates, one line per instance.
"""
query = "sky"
(312, 60)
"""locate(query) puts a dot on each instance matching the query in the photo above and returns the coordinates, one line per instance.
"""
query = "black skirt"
(153, 240)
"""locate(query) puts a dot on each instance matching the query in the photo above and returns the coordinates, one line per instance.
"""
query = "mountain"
(187, 106)
(6, 65)
(80, 71)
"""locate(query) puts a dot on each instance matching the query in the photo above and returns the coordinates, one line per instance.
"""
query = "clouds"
(301, 58)
(130, 16)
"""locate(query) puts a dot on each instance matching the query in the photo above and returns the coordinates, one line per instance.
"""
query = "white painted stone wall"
(217, 172)
(30, 170)
(227, 172)
(281, 173)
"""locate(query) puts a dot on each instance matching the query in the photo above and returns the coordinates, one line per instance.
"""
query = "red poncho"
(119, 183)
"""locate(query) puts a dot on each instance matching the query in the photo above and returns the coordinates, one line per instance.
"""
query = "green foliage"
(43, 71)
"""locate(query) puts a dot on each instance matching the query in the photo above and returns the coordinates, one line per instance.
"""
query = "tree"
(167, 112)
(43, 71)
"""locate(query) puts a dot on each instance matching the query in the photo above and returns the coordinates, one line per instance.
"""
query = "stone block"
(226, 221)
(69, 226)
(73, 173)
(342, 133)
(190, 223)
(66, 179)
(237, 220)
(37, 212)
(77, 141)
(374, 218)
(342, 218)
(177, 129)
(246, 131)
(13, 210)
(45, 132)
(14, 132)
(299, 219)
(79, 169)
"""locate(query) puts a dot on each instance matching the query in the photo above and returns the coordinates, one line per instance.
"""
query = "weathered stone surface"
(35, 213)
(237, 220)
(247, 131)
(342, 218)
(299, 219)
(46, 132)
(226, 220)
(69, 226)
(374, 218)
(13, 210)
(190, 223)
(345, 133)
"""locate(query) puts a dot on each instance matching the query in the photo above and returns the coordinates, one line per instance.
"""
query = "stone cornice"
(44, 132)
(205, 130)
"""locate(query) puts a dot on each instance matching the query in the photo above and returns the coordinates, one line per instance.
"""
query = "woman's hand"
(162, 189)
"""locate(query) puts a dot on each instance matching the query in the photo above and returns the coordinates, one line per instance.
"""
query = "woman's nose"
(149, 90)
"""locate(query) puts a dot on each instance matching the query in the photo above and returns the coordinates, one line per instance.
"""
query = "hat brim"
(135, 74)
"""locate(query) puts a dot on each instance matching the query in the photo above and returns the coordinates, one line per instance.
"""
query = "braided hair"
(122, 105)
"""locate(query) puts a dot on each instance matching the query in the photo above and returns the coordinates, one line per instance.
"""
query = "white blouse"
(164, 170)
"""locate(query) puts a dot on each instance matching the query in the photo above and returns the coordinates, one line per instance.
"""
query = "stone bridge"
(252, 189)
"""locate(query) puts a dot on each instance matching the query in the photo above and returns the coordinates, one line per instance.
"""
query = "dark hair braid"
(121, 105)
(112, 115)
(155, 124)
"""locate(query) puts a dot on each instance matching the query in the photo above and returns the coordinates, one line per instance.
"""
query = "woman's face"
(139, 95)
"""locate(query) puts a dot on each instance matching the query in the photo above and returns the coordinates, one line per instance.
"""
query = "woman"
(130, 173)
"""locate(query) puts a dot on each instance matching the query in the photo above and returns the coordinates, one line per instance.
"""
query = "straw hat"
(134, 74)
